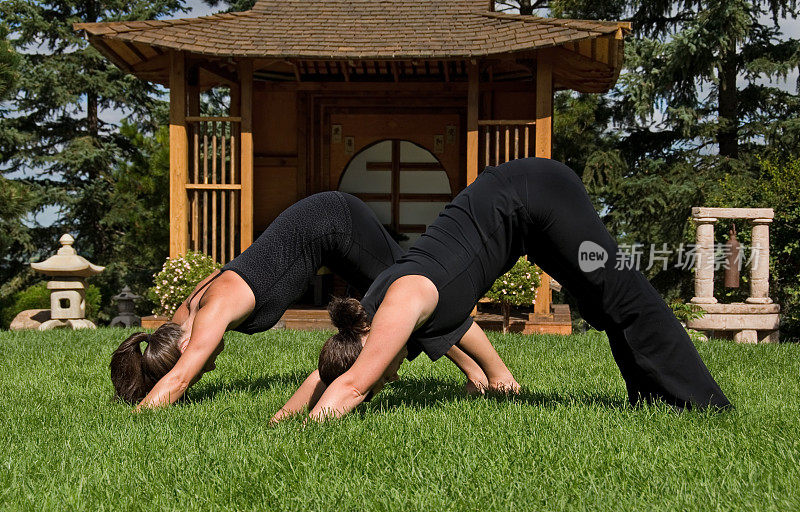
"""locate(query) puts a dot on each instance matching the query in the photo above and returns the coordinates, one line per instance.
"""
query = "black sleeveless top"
(331, 229)
(476, 238)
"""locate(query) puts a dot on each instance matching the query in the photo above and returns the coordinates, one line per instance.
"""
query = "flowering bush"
(177, 280)
(517, 286)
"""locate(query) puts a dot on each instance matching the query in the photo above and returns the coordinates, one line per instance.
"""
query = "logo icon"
(591, 256)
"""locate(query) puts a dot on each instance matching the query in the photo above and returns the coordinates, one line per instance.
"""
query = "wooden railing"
(214, 186)
(504, 140)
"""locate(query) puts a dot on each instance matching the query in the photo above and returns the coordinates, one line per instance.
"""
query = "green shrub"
(177, 279)
(37, 296)
(517, 286)
(774, 184)
(685, 311)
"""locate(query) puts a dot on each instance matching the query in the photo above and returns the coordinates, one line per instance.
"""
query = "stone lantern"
(68, 288)
(125, 303)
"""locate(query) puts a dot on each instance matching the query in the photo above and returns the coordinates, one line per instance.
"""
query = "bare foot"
(507, 386)
(474, 388)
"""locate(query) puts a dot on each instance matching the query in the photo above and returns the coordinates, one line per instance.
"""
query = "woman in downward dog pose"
(537, 207)
(251, 293)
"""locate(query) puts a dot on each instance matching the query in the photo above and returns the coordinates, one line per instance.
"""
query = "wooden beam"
(246, 139)
(473, 96)
(193, 106)
(395, 184)
(219, 119)
(222, 74)
(544, 108)
(213, 186)
(543, 149)
(158, 63)
(178, 157)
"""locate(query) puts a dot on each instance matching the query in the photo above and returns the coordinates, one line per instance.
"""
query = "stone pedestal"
(742, 322)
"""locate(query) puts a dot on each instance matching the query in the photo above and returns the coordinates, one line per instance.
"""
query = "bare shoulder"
(232, 293)
(415, 284)
(412, 290)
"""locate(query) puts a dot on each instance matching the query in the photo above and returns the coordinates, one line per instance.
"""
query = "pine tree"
(56, 128)
(17, 200)
(232, 5)
(55, 135)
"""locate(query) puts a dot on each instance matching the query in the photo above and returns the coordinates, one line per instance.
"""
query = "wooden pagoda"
(416, 96)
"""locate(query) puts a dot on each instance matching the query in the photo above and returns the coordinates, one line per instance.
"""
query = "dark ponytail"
(134, 373)
(341, 350)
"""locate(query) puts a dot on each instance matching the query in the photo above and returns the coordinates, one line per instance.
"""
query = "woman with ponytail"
(251, 293)
(539, 208)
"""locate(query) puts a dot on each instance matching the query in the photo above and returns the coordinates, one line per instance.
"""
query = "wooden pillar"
(178, 157)
(246, 166)
(543, 149)
(472, 122)
(544, 107)
(193, 107)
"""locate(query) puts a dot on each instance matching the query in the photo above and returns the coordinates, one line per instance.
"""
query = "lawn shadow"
(252, 385)
(416, 393)
(419, 393)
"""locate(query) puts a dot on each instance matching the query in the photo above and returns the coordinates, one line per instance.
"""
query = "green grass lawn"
(569, 442)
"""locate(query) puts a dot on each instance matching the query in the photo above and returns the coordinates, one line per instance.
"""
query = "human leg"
(652, 349)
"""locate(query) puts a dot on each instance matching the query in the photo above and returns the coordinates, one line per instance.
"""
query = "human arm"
(307, 395)
(207, 330)
(408, 303)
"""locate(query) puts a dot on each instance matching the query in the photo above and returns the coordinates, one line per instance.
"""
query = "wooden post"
(472, 122)
(246, 140)
(178, 157)
(543, 149)
(544, 107)
(193, 106)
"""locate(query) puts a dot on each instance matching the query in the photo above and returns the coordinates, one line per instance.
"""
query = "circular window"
(403, 183)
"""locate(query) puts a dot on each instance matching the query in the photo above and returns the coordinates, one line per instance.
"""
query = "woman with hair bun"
(539, 208)
(251, 293)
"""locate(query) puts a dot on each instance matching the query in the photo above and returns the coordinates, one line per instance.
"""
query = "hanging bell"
(733, 259)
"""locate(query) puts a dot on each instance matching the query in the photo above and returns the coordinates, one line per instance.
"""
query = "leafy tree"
(138, 215)
(699, 99)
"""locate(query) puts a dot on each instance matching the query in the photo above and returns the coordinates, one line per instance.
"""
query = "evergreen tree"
(9, 60)
(232, 5)
(57, 133)
(139, 214)
(54, 132)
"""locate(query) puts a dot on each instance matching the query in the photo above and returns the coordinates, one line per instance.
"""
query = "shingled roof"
(355, 29)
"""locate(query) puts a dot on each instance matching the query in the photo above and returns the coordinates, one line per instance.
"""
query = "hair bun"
(348, 315)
